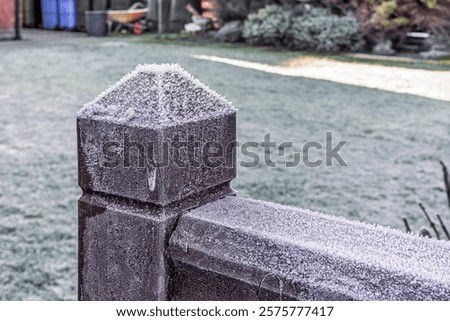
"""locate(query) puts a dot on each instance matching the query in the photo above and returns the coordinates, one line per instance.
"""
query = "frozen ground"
(394, 144)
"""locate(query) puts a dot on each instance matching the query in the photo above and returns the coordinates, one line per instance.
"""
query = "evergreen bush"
(319, 30)
(316, 29)
(269, 26)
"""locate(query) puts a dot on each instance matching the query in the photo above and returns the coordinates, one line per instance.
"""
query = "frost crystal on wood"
(157, 96)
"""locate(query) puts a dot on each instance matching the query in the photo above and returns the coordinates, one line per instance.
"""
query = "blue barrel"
(59, 14)
(49, 14)
(67, 14)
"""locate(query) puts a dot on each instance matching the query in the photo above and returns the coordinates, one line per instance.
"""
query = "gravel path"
(425, 83)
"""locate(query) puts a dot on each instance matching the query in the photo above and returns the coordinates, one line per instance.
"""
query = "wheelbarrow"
(131, 18)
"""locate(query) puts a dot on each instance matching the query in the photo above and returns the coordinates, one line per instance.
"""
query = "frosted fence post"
(131, 202)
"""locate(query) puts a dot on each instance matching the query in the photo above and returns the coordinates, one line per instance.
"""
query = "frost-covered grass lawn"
(394, 144)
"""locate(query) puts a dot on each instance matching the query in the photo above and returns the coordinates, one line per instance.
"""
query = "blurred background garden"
(375, 73)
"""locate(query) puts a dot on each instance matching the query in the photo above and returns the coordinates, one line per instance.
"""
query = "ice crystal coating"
(157, 96)
(327, 256)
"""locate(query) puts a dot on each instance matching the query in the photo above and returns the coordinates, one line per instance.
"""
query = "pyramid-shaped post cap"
(158, 135)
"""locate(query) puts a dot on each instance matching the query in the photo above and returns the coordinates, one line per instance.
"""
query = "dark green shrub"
(269, 26)
(230, 32)
(319, 30)
(297, 28)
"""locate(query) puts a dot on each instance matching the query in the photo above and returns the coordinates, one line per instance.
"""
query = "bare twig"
(408, 228)
(444, 228)
(446, 181)
(432, 225)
